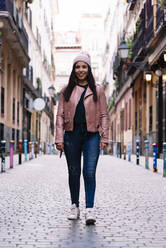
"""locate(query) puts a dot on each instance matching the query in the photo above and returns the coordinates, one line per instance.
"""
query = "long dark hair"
(73, 81)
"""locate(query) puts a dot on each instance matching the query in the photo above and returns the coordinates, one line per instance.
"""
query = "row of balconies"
(10, 7)
(141, 43)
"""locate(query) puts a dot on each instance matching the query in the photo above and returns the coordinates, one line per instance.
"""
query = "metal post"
(137, 151)
(11, 153)
(40, 148)
(146, 154)
(120, 150)
(30, 149)
(36, 149)
(25, 150)
(129, 152)
(2, 151)
(20, 152)
(154, 157)
(124, 150)
(33, 150)
(164, 159)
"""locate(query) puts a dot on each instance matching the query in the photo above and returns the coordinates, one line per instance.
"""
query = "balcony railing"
(149, 33)
(132, 4)
(161, 19)
(28, 73)
(138, 42)
(9, 6)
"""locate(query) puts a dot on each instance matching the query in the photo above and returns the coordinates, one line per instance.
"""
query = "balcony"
(132, 4)
(161, 20)
(14, 30)
(138, 42)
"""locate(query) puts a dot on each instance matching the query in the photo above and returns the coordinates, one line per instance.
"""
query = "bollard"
(20, 152)
(30, 149)
(25, 150)
(154, 157)
(129, 152)
(40, 148)
(11, 153)
(137, 151)
(36, 149)
(117, 152)
(120, 150)
(146, 154)
(2, 152)
(33, 150)
(164, 159)
(124, 150)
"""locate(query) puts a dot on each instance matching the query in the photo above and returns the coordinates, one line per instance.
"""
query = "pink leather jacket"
(96, 113)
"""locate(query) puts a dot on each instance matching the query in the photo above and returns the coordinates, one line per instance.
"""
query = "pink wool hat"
(82, 57)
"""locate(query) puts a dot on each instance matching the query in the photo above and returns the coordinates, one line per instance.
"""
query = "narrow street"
(34, 203)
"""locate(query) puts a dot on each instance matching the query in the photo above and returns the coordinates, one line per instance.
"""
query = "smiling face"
(81, 71)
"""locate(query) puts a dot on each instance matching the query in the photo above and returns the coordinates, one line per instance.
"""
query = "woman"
(83, 116)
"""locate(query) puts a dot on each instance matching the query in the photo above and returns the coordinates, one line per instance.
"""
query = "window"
(1, 131)
(135, 121)
(18, 113)
(129, 113)
(2, 100)
(13, 134)
(150, 118)
(14, 109)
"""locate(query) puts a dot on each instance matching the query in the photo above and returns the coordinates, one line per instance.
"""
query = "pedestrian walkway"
(34, 202)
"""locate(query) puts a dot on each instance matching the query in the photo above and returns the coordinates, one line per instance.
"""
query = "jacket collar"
(88, 92)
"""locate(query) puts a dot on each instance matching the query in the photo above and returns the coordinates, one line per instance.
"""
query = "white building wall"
(114, 27)
(40, 49)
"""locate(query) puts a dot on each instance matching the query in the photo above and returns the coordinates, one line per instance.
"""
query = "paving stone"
(34, 203)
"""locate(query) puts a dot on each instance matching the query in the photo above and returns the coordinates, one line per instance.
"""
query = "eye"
(77, 67)
(84, 66)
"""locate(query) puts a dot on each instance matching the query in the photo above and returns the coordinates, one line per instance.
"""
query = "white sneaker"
(74, 213)
(90, 216)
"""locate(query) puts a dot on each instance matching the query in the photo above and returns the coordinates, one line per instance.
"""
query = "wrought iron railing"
(138, 42)
(9, 6)
(149, 32)
(161, 19)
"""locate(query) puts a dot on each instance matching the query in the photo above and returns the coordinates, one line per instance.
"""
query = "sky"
(70, 11)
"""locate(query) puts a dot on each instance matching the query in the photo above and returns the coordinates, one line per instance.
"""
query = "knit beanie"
(83, 57)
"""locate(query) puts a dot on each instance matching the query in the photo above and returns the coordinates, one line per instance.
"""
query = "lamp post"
(123, 50)
(51, 90)
(124, 53)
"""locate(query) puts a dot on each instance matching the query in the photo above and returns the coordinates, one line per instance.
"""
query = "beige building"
(13, 58)
(27, 70)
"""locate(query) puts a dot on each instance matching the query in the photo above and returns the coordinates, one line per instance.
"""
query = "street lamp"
(164, 54)
(51, 90)
(52, 93)
(123, 50)
(164, 78)
(148, 76)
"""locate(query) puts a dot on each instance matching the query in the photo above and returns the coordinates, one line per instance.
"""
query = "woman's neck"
(83, 83)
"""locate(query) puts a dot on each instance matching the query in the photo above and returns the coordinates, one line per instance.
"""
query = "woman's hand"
(102, 145)
(60, 146)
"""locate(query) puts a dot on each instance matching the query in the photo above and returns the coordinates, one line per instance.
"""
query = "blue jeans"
(77, 142)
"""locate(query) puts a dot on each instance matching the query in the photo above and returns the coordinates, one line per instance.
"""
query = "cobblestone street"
(34, 202)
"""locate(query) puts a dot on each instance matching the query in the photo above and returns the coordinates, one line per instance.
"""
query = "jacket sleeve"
(104, 121)
(59, 135)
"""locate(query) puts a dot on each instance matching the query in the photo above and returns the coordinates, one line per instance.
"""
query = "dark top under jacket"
(80, 109)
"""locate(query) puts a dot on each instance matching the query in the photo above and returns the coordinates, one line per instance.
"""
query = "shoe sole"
(78, 217)
(90, 222)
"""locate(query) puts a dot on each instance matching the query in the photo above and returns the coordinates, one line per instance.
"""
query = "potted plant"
(162, 3)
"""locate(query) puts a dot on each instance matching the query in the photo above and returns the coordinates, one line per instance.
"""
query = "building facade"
(144, 33)
(13, 58)
(28, 70)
